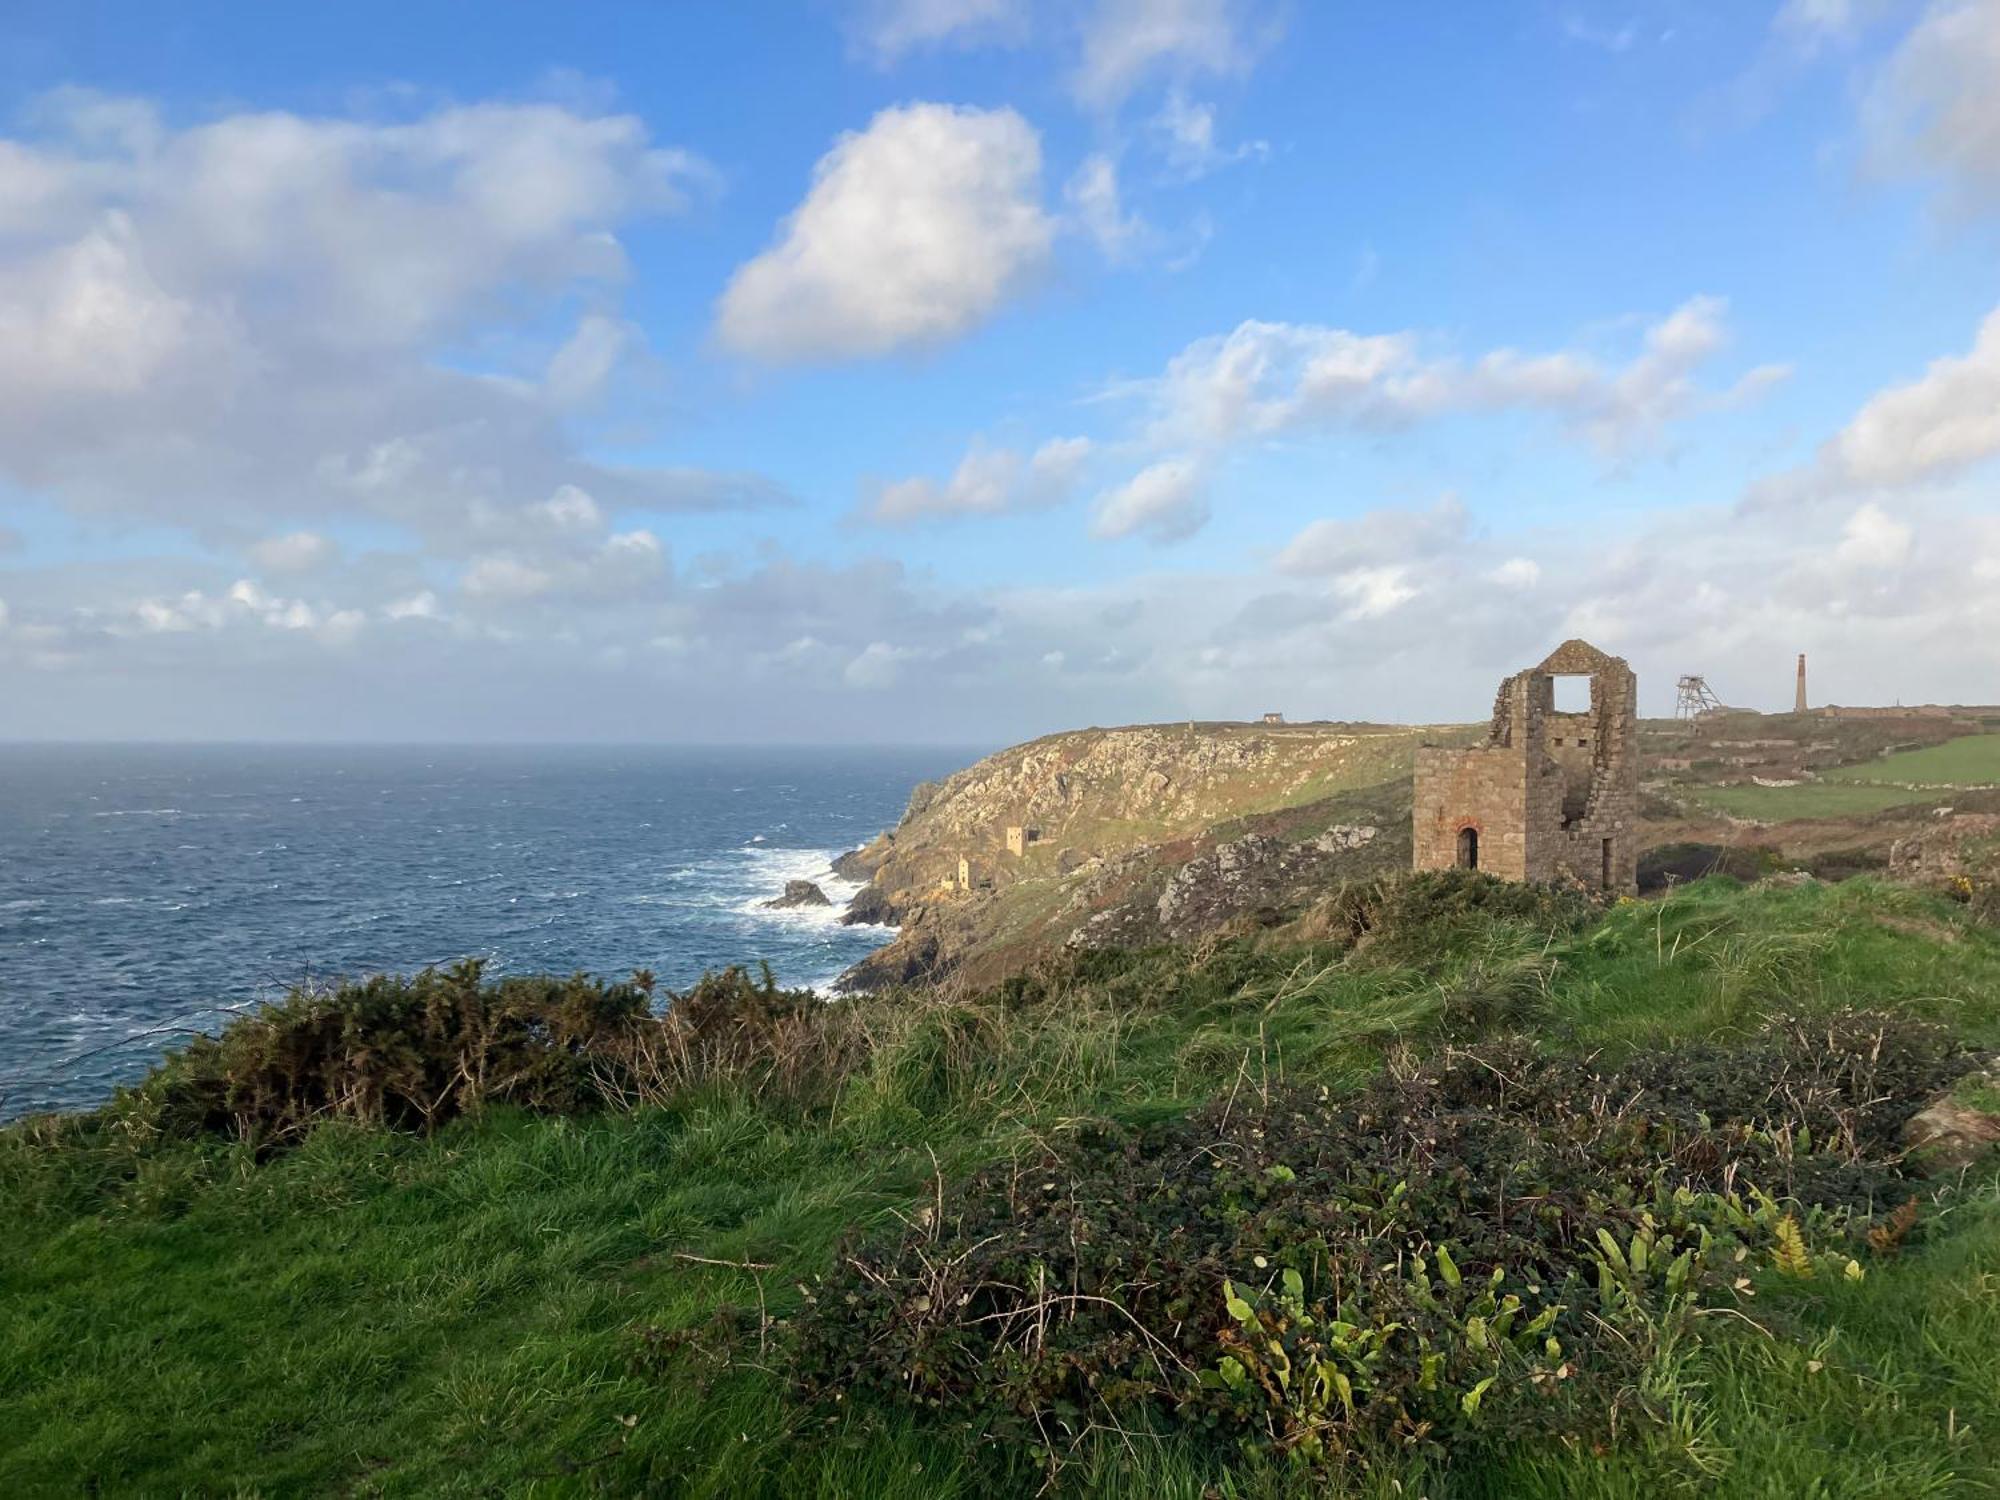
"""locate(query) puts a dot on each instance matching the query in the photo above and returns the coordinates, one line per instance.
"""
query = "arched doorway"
(1468, 848)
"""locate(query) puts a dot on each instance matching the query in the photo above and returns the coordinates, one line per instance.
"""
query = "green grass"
(1899, 780)
(1972, 760)
(1811, 799)
(374, 1314)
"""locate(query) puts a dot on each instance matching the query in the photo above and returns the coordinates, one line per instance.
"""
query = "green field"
(1812, 799)
(1973, 760)
(1910, 776)
(481, 1312)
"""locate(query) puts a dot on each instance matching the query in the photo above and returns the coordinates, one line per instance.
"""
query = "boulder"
(1950, 1131)
(799, 893)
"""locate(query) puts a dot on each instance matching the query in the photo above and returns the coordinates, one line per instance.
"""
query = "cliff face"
(1140, 834)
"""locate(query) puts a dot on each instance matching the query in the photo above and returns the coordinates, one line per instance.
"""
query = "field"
(483, 1311)
(1902, 779)
(1811, 799)
(1971, 761)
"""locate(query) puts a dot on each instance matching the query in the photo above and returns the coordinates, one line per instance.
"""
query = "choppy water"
(141, 888)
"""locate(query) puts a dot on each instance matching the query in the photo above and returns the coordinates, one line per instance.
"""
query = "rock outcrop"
(799, 893)
(1256, 879)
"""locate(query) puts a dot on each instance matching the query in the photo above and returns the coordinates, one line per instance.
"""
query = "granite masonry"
(1550, 796)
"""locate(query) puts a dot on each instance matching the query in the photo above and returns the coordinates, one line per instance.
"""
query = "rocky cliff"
(1130, 836)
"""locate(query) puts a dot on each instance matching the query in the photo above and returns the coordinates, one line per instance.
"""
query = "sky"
(956, 371)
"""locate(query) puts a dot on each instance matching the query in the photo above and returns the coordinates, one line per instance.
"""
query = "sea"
(148, 892)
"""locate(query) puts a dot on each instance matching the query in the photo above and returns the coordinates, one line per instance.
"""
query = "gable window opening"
(1468, 848)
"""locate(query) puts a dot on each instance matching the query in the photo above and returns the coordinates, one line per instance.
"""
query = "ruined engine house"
(1553, 793)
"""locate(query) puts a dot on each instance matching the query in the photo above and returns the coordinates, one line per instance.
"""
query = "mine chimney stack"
(1799, 706)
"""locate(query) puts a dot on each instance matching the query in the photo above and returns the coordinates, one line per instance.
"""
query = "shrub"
(405, 1052)
(1500, 1241)
(1418, 917)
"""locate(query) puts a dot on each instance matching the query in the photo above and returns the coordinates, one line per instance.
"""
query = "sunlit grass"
(373, 1313)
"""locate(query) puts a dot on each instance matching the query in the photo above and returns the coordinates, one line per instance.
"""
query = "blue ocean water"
(146, 889)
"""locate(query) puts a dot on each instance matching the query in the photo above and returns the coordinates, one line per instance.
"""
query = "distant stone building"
(1019, 838)
(971, 877)
(1274, 718)
(1549, 796)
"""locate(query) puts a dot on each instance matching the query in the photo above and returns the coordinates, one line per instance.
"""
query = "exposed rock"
(871, 906)
(1253, 879)
(1249, 875)
(854, 865)
(1955, 846)
(911, 959)
(799, 893)
(1950, 1131)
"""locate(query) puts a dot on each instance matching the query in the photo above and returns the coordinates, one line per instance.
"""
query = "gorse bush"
(1415, 918)
(1500, 1241)
(414, 1053)
(405, 1052)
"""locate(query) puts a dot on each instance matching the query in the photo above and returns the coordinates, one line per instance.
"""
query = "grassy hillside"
(608, 1302)
(1117, 812)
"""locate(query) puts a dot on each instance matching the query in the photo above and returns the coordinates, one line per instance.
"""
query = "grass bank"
(526, 1302)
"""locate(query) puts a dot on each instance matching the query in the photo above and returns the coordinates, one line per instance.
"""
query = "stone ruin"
(1018, 839)
(1550, 796)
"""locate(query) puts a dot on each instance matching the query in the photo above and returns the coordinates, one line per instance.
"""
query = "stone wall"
(1549, 796)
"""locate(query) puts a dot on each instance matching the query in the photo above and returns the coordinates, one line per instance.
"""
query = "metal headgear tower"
(1694, 698)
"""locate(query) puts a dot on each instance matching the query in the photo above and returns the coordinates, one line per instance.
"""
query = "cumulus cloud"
(266, 313)
(1935, 110)
(1927, 430)
(988, 481)
(887, 29)
(915, 231)
(1263, 379)
(1164, 502)
(1126, 42)
(1939, 424)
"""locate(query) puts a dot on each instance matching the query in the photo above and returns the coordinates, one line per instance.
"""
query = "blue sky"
(964, 369)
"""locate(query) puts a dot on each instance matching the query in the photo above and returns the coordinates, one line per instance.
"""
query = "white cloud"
(1186, 132)
(580, 369)
(422, 605)
(915, 231)
(879, 665)
(505, 578)
(1873, 539)
(890, 28)
(1379, 537)
(1263, 379)
(1939, 424)
(570, 509)
(1371, 593)
(87, 319)
(988, 481)
(1164, 502)
(1093, 196)
(268, 313)
(1517, 573)
(1811, 25)
(1935, 111)
(294, 552)
(1125, 42)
